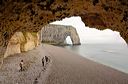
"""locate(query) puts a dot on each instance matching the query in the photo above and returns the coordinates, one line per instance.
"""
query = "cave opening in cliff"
(91, 35)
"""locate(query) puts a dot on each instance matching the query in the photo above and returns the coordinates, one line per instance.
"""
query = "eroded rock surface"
(57, 34)
(20, 42)
(32, 15)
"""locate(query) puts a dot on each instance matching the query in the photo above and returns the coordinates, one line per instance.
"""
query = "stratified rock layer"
(32, 15)
(21, 42)
(57, 34)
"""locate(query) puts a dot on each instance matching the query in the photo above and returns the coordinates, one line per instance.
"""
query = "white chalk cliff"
(57, 34)
(22, 41)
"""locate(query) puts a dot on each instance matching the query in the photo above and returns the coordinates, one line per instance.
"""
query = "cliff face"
(21, 42)
(32, 15)
(57, 34)
(25, 41)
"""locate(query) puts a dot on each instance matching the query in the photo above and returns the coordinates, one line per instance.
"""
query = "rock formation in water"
(57, 34)
(32, 15)
(22, 41)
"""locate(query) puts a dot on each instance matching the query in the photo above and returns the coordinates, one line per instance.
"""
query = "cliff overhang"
(32, 15)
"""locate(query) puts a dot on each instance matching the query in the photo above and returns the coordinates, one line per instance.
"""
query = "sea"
(112, 55)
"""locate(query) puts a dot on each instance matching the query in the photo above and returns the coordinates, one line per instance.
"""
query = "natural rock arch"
(32, 15)
(57, 34)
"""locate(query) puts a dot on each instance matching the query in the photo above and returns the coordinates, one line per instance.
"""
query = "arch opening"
(92, 35)
(68, 40)
(87, 35)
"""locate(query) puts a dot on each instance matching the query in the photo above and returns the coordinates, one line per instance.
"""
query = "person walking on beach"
(43, 62)
(47, 59)
(21, 65)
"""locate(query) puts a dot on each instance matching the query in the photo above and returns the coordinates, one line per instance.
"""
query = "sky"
(90, 35)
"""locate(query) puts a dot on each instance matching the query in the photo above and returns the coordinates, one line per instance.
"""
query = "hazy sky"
(91, 35)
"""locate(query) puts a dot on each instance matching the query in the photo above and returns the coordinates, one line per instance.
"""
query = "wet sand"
(64, 67)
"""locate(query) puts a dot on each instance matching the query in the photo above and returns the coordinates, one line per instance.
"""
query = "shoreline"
(71, 68)
(111, 55)
(65, 67)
